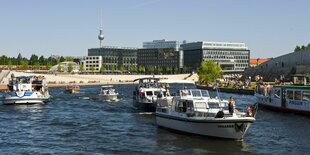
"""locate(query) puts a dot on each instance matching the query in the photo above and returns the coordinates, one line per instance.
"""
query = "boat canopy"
(149, 78)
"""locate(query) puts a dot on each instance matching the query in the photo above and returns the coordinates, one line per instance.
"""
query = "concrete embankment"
(229, 90)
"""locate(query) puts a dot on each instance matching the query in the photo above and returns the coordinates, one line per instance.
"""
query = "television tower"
(100, 36)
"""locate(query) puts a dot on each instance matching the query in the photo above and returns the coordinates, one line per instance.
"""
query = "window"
(289, 94)
(277, 93)
(297, 95)
(149, 93)
(306, 95)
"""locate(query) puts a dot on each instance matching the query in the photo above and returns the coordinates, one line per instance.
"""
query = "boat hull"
(229, 129)
(289, 107)
(24, 98)
(108, 97)
(146, 107)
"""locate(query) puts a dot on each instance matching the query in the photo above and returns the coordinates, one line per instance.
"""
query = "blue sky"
(270, 28)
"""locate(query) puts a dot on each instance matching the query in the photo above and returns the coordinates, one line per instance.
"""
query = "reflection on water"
(81, 123)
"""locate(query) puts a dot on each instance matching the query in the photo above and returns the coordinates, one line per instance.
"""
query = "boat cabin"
(25, 83)
(107, 90)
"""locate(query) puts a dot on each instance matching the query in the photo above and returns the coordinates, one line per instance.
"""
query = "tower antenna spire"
(100, 36)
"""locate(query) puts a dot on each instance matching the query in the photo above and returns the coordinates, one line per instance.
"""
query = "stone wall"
(286, 65)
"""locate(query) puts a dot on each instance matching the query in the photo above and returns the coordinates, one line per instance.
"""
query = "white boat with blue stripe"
(26, 90)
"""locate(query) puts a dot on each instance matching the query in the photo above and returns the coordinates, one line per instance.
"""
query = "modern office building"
(163, 57)
(160, 53)
(115, 57)
(231, 57)
(162, 44)
(90, 62)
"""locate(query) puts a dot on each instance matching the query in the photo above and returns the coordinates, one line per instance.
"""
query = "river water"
(83, 124)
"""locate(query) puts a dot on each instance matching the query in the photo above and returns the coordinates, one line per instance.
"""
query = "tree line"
(301, 48)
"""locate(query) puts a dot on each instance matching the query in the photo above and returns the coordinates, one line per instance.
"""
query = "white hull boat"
(108, 93)
(26, 90)
(202, 115)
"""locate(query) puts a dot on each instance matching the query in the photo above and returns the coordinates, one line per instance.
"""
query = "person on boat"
(185, 91)
(232, 105)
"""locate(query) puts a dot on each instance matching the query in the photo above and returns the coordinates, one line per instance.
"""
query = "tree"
(159, 69)
(297, 49)
(185, 69)
(33, 59)
(102, 69)
(168, 69)
(112, 68)
(81, 67)
(303, 47)
(36, 66)
(141, 69)
(208, 72)
(176, 69)
(24, 64)
(70, 67)
(122, 68)
(42, 60)
(48, 65)
(69, 58)
(92, 69)
(62, 59)
(132, 68)
(19, 59)
(10, 64)
(150, 69)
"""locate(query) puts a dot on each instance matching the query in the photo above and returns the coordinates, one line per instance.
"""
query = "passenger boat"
(72, 88)
(108, 93)
(194, 111)
(286, 98)
(146, 93)
(26, 90)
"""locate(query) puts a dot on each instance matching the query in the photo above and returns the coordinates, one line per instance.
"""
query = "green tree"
(141, 69)
(62, 59)
(42, 60)
(48, 65)
(159, 69)
(10, 64)
(36, 66)
(92, 69)
(176, 69)
(102, 69)
(59, 68)
(150, 69)
(24, 64)
(69, 58)
(19, 59)
(297, 49)
(112, 67)
(33, 59)
(122, 68)
(81, 67)
(132, 68)
(208, 72)
(70, 67)
(168, 69)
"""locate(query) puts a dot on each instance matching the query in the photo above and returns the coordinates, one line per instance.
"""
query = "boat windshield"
(205, 93)
(196, 93)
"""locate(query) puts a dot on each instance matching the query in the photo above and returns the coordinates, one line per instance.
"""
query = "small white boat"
(108, 93)
(193, 111)
(72, 89)
(26, 90)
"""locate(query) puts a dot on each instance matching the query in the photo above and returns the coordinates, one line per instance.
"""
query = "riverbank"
(61, 80)
(229, 90)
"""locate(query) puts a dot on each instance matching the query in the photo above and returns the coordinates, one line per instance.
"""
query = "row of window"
(294, 95)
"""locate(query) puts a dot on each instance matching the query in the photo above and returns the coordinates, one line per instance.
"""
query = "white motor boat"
(26, 90)
(108, 93)
(193, 111)
(146, 93)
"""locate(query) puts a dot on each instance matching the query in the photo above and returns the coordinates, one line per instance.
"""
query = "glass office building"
(116, 56)
(231, 57)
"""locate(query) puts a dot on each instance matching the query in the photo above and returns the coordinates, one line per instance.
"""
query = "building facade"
(160, 53)
(231, 57)
(92, 62)
(160, 57)
(115, 57)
